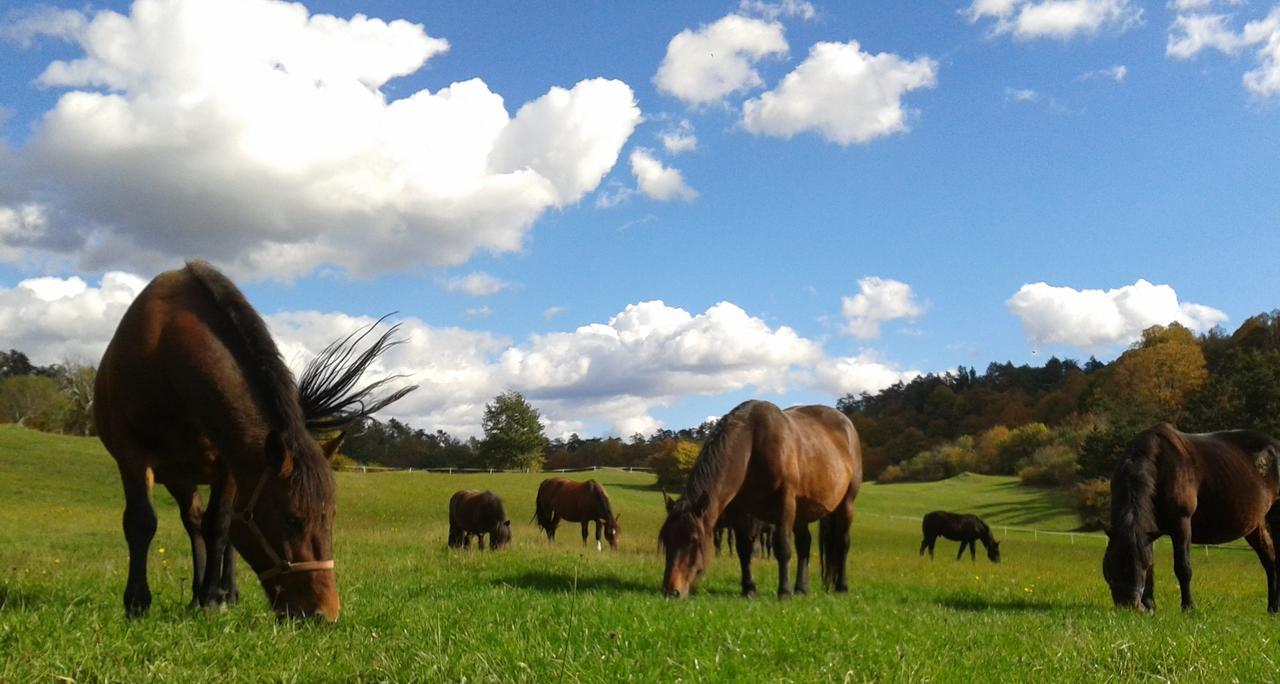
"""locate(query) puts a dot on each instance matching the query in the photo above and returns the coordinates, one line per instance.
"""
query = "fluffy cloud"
(612, 374)
(679, 138)
(1058, 19)
(234, 130)
(57, 319)
(657, 181)
(478, 284)
(878, 300)
(865, 372)
(1192, 33)
(23, 27)
(703, 66)
(798, 9)
(842, 93)
(1098, 318)
(1116, 73)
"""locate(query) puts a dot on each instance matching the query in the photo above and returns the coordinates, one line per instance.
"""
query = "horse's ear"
(616, 518)
(670, 503)
(331, 447)
(278, 457)
(507, 523)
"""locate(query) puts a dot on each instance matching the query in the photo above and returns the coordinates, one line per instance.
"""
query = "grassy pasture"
(413, 611)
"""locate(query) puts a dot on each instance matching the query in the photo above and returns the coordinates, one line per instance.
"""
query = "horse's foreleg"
(1181, 538)
(742, 538)
(188, 499)
(804, 541)
(717, 538)
(924, 544)
(1149, 591)
(216, 527)
(230, 593)
(599, 526)
(1260, 540)
(973, 549)
(782, 543)
(139, 529)
(960, 553)
(1273, 528)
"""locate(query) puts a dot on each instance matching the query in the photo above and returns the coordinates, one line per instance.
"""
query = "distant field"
(414, 611)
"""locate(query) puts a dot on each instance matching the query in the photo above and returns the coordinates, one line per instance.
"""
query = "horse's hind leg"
(742, 538)
(188, 498)
(139, 529)
(216, 527)
(804, 541)
(1273, 528)
(1261, 541)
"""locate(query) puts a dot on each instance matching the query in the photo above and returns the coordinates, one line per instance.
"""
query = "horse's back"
(170, 392)
(827, 449)
(572, 500)
(475, 510)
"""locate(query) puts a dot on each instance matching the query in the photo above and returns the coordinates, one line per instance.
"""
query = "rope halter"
(279, 566)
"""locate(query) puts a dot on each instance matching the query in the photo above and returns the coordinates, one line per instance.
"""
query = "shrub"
(1021, 444)
(1052, 465)
(1093, 503)
(892, 474)
(673, 463)
(342, 462)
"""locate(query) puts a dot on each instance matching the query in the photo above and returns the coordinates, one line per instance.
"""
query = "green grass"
(413, 611)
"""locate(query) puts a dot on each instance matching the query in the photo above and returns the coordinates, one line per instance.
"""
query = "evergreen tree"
(513, 436)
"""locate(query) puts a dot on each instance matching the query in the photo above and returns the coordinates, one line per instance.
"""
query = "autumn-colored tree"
(673, 463)
(1155, 379)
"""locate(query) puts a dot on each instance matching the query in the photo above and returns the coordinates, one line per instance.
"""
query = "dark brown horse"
(581, 502)
(1197, 488)
(192, 390)
(473, 512)
(788, 468)
(962, 527)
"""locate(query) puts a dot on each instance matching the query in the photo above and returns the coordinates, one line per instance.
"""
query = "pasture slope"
(413, 611)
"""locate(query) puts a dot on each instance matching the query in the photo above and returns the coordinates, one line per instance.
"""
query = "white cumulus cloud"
(680, 138)
(866, 372)
(841, 93)
(1056, 19)
(257, 135)
(703, 66)
(1098, 318)
(55, 319)
(1192, 33)
(478, 284)
(878, 300)
(657, 181)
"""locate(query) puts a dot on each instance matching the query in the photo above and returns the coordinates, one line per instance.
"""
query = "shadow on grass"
(556, 583)
(974, 604)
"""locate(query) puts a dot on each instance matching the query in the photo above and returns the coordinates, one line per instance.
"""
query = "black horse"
(960, 527)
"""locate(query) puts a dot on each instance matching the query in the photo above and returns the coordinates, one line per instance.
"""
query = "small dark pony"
(581, 502)
(1197, 488)
(962, 527)
(788, 468)
(191, 391)
(473, 512)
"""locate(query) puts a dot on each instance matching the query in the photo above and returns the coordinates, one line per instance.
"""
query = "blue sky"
(840, 198)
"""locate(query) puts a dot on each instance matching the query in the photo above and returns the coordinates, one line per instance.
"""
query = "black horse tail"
(542, 512)
(832, 550)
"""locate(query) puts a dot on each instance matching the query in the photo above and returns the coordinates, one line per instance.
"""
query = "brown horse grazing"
(1197, 488)
(962, 527)
(192, 390)
(580, 502)
(788, 468)
(479, 513)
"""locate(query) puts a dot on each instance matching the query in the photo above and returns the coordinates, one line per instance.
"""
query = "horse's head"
(1125, 565)
(993, 551)
(612, 533)
(687, 540)
(285, 529)
(501, 535)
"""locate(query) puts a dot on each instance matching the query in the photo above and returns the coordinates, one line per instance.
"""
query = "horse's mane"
(272, 383)
(712, 458)
(1133, 487)
(603, 500)
(326, 395)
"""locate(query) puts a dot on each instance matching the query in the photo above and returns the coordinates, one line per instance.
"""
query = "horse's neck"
(728, 477)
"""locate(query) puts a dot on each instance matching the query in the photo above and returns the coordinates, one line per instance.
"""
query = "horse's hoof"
(784, 595)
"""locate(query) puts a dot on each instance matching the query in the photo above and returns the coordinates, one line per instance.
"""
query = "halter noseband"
(280, 566)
